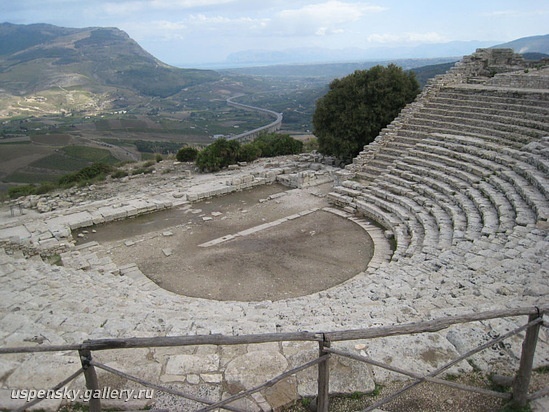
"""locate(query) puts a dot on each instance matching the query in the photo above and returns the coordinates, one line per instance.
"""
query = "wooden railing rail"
(520, 383)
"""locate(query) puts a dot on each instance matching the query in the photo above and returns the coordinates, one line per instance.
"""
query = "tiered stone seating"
(464, 162)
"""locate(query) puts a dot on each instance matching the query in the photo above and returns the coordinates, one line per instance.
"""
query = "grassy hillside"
(39, 58)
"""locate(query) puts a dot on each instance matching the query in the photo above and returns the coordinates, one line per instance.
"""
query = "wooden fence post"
(322, 400)
(522, 380)
(92, 384)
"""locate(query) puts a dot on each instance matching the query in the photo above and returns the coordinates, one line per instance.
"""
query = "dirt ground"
(295, 258)
(428, 397)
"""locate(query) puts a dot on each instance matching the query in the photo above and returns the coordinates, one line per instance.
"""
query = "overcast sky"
(187, 32)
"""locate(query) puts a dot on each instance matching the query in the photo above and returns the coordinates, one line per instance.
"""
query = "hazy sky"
(186, 32)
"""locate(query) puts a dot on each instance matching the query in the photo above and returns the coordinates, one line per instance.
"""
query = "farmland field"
(52, 139)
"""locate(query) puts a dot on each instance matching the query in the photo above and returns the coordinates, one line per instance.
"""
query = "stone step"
(389, 220)
(524, 98)
(508, 124)
(435, 219)
(504, 134)
(515, 106)
(441, 201)
(474, 207)
(503, 114)
(531, 166)
(524, 177)
(413, 226)
(425, 131)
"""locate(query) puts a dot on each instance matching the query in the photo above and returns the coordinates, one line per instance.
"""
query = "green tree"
(186, 154)
(274, 144)
(358, 106)
(218, 155)
(249, 152)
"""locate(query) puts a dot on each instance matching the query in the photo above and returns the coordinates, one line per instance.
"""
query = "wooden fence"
(519, 395)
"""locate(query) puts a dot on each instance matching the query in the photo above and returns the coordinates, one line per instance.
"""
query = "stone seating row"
(525, 178)
(451, 165)
(458, 161)
(519, 125)
(501, 133)
(478, 196)
(503, 112)
(486, 96)
(534, 166)
(428, 219)
(481, 169)
(514, 122)
(368, 207)
(485, 215)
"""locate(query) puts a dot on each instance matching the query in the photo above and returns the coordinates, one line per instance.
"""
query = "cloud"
(135, 6)
(196, 25)
(430, 37)
(223, 24)
(321, 18)
(318, 19)
(515, 13)
(186, 4)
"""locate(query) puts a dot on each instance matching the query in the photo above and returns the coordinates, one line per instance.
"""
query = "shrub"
(86, 174)
(18, 191)
(158, 157)
(274, 144)
(218, 155)
(45, 188)
(142, 170)
(224, 152)
(248, 152)
(119, 173)
(187, 154)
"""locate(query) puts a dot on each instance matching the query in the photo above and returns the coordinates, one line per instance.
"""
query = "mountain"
(532, 44)
(39, 57)
(323, 55)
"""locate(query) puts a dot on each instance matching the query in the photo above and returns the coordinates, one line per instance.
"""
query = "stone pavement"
(92, 298)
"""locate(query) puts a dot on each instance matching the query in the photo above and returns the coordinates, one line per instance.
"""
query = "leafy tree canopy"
(223, 152)
(358, 106)
(187, 154)
(218, 155)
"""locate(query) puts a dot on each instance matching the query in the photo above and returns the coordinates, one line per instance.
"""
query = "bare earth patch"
(297, 257)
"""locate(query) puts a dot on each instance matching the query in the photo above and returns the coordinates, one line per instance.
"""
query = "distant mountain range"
(533, 44)
(322, 55)
(539, 44)
(39, 57)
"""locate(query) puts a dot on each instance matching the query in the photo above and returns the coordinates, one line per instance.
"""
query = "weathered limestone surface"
(467, 207)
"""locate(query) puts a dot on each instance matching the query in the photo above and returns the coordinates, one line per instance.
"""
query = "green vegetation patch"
(52, 139)
(357, 107)
(58, 161)
(223, 153)
(157, 147)
(89, 173)
(90, 154)
(28, 177)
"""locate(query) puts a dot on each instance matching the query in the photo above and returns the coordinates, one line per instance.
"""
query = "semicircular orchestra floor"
(261, 244)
